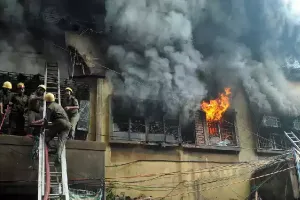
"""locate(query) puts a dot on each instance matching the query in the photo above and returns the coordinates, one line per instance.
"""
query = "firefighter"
(5, 96)
(71, 106)
(19, 104)
(60, 123)
(5, 101)
(35, 108)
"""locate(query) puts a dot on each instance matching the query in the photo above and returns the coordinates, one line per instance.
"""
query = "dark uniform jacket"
(20, 102)
(35, 104)
(5, 98)
(70, 102)
(56, 112)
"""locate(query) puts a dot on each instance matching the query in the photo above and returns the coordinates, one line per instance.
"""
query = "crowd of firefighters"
(22, 114)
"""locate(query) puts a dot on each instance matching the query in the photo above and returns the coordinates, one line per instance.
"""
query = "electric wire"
(225, 185)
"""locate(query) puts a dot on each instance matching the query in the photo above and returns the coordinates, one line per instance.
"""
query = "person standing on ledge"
(19, 103)
(71, 106)
(5, 102)
(35, 108)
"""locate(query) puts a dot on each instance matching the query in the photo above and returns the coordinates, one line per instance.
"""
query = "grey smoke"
(162, 46)
(17, 52)
(160, 62)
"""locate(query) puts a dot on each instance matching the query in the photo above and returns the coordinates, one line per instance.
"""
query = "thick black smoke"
(20, 49)
(163, 46)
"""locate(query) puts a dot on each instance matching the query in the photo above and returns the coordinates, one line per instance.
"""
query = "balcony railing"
(273, 142)
(140, 130)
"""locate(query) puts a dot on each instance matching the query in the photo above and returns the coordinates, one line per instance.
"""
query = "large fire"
(214, 109)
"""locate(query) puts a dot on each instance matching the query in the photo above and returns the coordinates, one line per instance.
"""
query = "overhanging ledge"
(71, 144)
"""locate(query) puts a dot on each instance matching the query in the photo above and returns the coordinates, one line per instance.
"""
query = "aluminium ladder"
(293, 139)
(57, 175)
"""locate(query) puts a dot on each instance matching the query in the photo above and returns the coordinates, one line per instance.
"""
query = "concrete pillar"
(92, 125)
(99, 110)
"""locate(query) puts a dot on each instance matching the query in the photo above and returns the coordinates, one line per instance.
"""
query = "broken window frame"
(205, 137)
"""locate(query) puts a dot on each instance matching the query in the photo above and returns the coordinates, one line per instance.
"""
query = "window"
(147, 124)
(296, 124)
(202, 133)
(270, 137)
(271, 121)
(272, 141)
(150, 125)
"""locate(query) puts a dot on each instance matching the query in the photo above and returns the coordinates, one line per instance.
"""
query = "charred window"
(214, 133)
(270, 134)
(143, 121)
(77, 66)
(296, 124)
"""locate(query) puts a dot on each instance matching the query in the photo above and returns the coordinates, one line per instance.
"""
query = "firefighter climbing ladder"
(294, 139)
(52, 180)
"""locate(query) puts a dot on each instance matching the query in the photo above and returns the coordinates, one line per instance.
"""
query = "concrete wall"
(85, 160)
(176, 172)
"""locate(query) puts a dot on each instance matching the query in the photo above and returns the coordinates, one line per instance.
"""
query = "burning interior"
(145, 121)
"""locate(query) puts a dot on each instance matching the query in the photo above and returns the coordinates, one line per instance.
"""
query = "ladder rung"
(54, 195)
(52, 65)
(55, 184)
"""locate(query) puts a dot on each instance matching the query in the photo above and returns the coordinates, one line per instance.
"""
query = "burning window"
(214, 125)
(220, 125)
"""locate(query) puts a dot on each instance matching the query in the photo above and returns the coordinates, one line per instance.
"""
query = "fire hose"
(47, 192)
(45, 123)
(4, 116)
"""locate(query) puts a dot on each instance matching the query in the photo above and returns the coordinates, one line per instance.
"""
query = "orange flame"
(215, 108)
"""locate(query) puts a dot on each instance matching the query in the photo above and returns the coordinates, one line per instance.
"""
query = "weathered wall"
(181, 173)
(85, 160)
(174, 172)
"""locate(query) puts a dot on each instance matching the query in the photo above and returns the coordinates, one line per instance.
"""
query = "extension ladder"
(294, 139)
(52, 180)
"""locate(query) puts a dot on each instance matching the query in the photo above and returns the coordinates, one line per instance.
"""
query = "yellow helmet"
(49, 97)
(42, 86)
(69, 89)
(20, 85)
(7, 85)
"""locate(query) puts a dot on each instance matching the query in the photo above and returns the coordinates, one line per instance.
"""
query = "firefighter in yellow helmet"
(19, 104)
(35, 108)
(5, 100)
(60, 123)
(71, 106)
(5, 95)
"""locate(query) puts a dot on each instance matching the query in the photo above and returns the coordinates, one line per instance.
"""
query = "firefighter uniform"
(73, 114)
(19, 103)
(35, 108)
(60, 123)
(5, 99)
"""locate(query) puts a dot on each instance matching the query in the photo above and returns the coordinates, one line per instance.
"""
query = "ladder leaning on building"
(52, 180)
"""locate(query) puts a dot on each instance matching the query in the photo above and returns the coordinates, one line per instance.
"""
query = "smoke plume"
(20, 50)
(162, 47)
